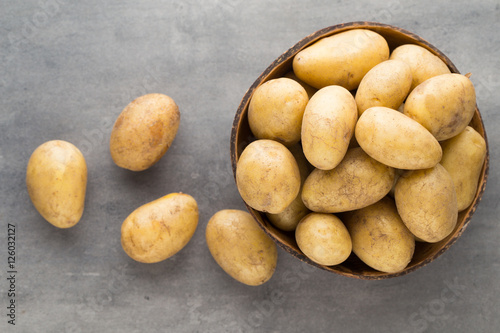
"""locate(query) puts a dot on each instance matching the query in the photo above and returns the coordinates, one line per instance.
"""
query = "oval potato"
(159, 229)
(240, 247)
(341, 59)
(144, 131)
(358, 181)
(56, 179)
(396, 140)
(427, 203)
(328, 126)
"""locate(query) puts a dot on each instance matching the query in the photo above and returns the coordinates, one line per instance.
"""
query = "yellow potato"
(309, 89)
(379, 237)
(144, 131)
(463, 158)
(358, 181)
(324, 239)
(328, 126)
(275, 110)
(159, 229)
(444, 104)
(56, 178)
(267, 176)
(427, 203)
(341, 59)
(240, 247)
(396, 140)
(423, 63)
(386, 84)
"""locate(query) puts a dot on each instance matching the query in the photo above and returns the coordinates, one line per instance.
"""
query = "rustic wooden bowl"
(241, 136)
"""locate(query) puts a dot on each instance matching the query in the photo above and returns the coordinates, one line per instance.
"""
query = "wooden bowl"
(353, 267)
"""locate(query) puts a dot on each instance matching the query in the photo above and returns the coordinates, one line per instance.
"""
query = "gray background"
(66, 72)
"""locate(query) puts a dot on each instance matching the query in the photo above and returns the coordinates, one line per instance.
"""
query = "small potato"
(275, 110)
(144, 131)
(324, 239)
(240, 247)
(423, 63)
(386, 84)
(358, 181)
(342, 59)
(328, 126)
(463, 158)
(444, 104)
(267, 176)
(56, 178)
(159, 229)
(379, 237)
(427, 203)
(396, 140)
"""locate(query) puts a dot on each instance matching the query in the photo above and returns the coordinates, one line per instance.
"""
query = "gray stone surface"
(67, 69)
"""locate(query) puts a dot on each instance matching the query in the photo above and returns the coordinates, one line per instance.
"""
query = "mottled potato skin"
(159, 229)
(267, 176)
(386, 84)
(342, 59)
(328, 126)
(379, 237)
(240, 247)
(444, 104)
(396, 140)
(427, 203)
(423, 63)
(144, 131)
(56, 178)
(463, 158)
(275, 110)
(324, 239)
(358, 181)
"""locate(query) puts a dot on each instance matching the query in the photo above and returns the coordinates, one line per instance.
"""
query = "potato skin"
(379, 237)
(341, 59)
(423, 63)
(463, 158)
(387, 84)
(159, 229)
(358, 181)
(144, 131)
(396, 140)
(328, 126)
(444, 104)
(267, 176)
(240, 247)
(56, 179)
(427, 203)
(324, 239)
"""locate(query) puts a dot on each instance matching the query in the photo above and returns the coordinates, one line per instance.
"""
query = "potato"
(267, 176)
(56, 178)
(328, 126)
(240, 247)
(309, 89)
(275, 110)
(427, 203)
(159, 229)
(379, 237)
(386, 84)
(358, 181)
(463, 158)
(144, 131)
(324, 239)
(444, 104)
(341, 59)
(423, 63)
(396, 140)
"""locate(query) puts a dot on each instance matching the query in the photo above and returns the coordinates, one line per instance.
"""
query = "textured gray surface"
(68, 69)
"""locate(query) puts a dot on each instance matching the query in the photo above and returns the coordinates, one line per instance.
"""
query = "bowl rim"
(268, 73)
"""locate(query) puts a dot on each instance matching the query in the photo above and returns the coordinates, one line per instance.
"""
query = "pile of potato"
(362, 149)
